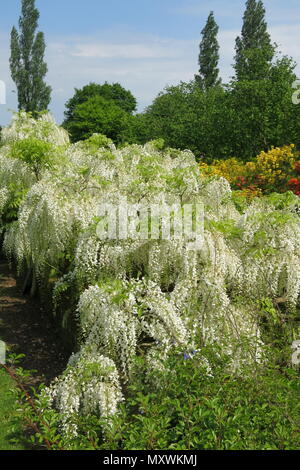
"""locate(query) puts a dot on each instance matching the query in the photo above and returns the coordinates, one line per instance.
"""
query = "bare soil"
(27, 329)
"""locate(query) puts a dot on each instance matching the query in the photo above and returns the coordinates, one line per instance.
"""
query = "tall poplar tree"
(254, 50)
(27, 65)
(208, 76)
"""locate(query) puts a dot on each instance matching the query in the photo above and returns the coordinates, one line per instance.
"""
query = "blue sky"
(142, 44)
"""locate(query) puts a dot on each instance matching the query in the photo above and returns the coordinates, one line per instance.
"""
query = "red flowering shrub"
(294, 185)
(276, 170)
(297, 167)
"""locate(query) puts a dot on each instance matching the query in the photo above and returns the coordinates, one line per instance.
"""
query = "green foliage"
(17, 192)
(209, 55)
(115, 92)
(252, 113)
(195, 409)
(264, 115)
(129, 300)
(239, 120)
(254, 51)
(193, 403)
(37, 154)
(45, 424)
(102, 116)
(228, 228)
(136, 301)
(188, 118)
(110, 108)
(11, 428)
(27, 65)
(98, 141)
(287, 201)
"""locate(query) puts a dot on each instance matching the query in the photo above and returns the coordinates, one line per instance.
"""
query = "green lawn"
(8, 426)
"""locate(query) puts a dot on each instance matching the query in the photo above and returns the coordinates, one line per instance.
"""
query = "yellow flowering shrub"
(230, 169)
(275, 166)
(271, 171)
(250, 193)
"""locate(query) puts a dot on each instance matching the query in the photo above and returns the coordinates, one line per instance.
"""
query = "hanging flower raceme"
(146, 295)
(89, 385)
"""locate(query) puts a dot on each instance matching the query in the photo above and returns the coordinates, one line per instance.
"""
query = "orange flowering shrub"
(272, 171)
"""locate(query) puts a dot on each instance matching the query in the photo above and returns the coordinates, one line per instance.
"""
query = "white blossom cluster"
(89, 385)
(269, 252)
(15, 177)
(4, 195)
(24, 126)
(146, 296)
(120, 316)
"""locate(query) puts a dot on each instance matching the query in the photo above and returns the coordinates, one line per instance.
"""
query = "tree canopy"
(99, 115)
(27, 65)
(113, 99)
(254, 50)
(209, 55)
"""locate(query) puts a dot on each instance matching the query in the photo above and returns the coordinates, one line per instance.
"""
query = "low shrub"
(193, 403)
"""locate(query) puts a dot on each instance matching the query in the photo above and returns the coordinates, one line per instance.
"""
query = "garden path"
(26, 329)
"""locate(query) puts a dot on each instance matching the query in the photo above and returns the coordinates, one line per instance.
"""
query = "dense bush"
(236, 120)
(105, 109)
(273, 171)
(190, 407)
(135, 297)
(193, 402)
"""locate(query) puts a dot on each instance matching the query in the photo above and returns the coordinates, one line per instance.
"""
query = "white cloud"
(145, 67)
(288, 39)
(124, 51)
